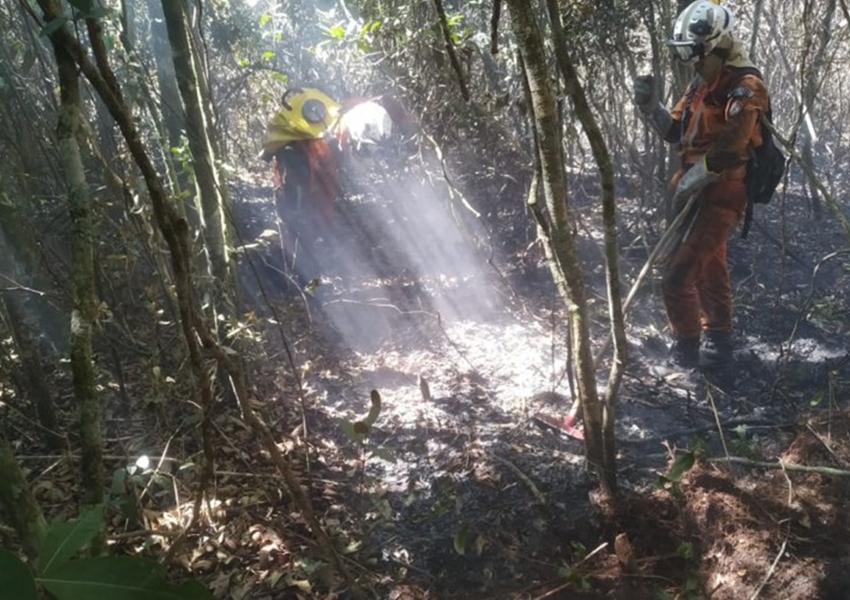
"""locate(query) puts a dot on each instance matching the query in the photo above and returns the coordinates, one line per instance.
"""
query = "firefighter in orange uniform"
(715, 125)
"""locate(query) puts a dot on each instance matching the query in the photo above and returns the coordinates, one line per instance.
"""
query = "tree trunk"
(565, 268)
(84, 312)
(36, 390)
(17, 500)
(612, 259)
(176, 232)
(216, 233)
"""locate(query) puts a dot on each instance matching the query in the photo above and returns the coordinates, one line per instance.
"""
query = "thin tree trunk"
(18, 502)
(176, 232)
(84, 312)
(36, 390)
(757, 8)
(612, 260)
(216, 232)
(450, 48)
(566, 268)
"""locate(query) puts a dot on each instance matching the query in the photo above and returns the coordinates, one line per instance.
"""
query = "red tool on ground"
(566, 424)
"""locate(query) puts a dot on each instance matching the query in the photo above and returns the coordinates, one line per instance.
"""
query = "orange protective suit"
(721, 122)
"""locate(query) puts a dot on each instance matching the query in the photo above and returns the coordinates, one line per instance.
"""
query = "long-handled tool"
(566, 424)
(677, 232)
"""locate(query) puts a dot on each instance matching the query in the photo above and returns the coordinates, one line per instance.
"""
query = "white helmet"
(698, 30)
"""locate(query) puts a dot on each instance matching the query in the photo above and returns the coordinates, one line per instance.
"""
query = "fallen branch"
(782, 465)
(525, 479)
(769, 571)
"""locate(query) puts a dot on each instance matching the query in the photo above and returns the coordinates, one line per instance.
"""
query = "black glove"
(645, 93)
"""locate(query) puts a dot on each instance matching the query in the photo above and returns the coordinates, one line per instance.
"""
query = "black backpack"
(767, 161)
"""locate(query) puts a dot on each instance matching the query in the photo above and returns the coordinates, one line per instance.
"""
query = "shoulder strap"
(741, 72)
(686, 113)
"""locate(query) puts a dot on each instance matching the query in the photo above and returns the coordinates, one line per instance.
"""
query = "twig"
(141, 533)
(819, 438)
(808, 301)
(770, 571)
(564, 586)
(790, 485)
(525, 479)
(450, 49)
(717, 420)
(777, 465)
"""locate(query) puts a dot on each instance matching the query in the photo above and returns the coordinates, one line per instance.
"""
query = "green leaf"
(459, 540)
(16, 579)
(348, 429)
(683, 463)
(119, 476)
(81, 5)
(113, 577)
(64, 540)
(816, 398)
(267, 54)
(53, 26)
(374, 409)
(685, 550)
(98, 12)
(264, 19)
(194, 590)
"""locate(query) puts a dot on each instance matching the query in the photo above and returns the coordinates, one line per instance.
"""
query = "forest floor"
(734, 484)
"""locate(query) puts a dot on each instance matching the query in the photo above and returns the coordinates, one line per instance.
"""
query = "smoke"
(400, 254)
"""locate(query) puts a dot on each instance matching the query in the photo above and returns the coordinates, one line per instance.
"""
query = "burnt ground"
(458, 493)
(733, 484)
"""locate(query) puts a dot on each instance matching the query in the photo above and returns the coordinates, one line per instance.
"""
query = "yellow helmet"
(305, 114)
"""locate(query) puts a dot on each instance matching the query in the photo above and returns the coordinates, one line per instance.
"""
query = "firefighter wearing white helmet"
(714, 127)
(699, 29)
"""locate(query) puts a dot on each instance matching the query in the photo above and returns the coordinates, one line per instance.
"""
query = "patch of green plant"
(575, 578)
(358, 431)
(741, 445)
(828, 314)
(61, 571)
(682, 463)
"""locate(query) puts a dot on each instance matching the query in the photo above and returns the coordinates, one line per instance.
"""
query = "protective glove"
(693, 182)
(648, 102)
(645, 93)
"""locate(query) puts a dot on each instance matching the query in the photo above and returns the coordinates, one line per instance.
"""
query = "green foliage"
(460, 539)
(828, 314)
(575, 578)
(16, 580)
(53, 26)
(741, 445)
(457, 27)
(683, 463)
(69, 578)
(115, 577)
(579, 550)
(685, 550)
(64, 540)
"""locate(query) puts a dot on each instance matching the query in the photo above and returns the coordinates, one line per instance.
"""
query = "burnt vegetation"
(356, 412)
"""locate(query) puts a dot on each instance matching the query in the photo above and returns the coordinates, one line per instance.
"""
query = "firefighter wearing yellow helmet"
(305, 114)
